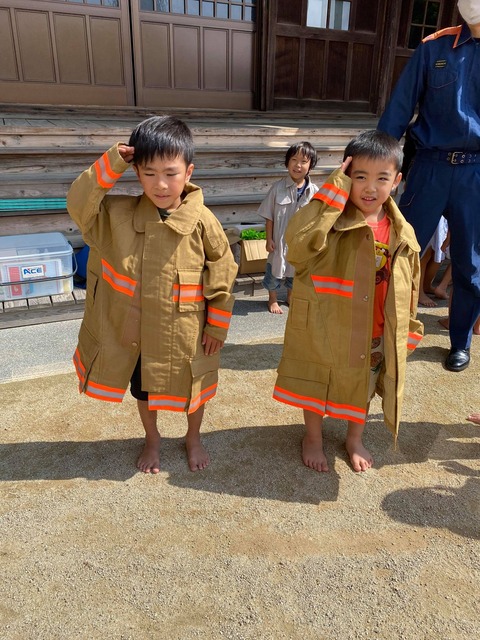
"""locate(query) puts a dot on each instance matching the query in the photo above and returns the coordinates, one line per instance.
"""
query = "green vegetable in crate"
(253, 234)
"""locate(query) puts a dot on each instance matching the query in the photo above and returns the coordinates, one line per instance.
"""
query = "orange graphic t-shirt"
(381, 233)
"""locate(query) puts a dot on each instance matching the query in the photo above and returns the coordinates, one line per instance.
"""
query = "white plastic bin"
(33, 265)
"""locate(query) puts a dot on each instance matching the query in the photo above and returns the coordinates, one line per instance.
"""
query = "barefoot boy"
(160, 276)
(284, 198)
(354, 299)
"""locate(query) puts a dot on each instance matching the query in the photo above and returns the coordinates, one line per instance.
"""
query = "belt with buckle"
(453, 157)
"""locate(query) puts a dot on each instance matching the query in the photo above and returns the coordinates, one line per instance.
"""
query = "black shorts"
(136, 382)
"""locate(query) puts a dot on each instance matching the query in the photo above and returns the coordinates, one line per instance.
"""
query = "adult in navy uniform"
(443, 79)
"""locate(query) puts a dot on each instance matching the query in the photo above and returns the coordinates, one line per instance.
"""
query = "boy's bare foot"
(197, 455)
(313, 455)
(274, 307)
(359, 456)
(445, 322)
(425, 301)
(475, 418)
(149, 460)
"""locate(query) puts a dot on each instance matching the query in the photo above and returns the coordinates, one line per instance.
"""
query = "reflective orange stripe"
(202, 397)
(332, 195)
(166, 403)
(339, 411)
(335, 286)
(80, 369)
(218, 317)
(106, 177)
(120, 283)
(102, 392)
(93, 389)
(188, 293)
(413, 340)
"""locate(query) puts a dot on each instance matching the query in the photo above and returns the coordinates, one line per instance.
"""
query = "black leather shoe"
(457, 359)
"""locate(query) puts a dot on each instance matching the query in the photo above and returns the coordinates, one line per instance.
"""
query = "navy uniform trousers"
(434, 187)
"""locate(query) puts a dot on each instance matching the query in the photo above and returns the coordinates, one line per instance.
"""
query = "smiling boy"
(354, 299)
(160, 276)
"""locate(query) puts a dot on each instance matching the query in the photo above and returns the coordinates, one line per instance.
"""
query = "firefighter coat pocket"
(299, 314)
(304, 370)
(188, 292)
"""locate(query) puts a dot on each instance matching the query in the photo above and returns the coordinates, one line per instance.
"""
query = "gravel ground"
(257, 546)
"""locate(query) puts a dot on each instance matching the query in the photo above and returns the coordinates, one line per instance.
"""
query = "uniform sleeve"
(406, 94)
(306, 233)
(267, 207)
(218, 279)
(85, 196)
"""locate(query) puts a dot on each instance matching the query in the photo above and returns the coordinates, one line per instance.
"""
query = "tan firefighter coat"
(325, 366)
(152, 287)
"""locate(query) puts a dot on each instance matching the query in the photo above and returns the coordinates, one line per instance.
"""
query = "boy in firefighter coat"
(354, 300)
(159, 281)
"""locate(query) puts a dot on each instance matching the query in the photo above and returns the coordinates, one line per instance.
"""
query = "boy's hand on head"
(346, 164)
(211, 345)
(126, 152)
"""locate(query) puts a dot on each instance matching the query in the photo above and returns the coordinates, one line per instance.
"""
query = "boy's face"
(298, 166)
(372, 182)
(163, 180)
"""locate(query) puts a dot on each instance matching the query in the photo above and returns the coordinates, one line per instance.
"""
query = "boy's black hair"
(163, 137)
(375, 144)
(306, 149)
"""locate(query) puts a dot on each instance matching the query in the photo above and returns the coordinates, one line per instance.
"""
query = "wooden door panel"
(315, 67)
(286, 66)
(206, 62)
(215, 47)
(337, 76)
(36, 59)
(361, 72)
(65, 53)
(70, 36)
(8, 68)
(314, 78)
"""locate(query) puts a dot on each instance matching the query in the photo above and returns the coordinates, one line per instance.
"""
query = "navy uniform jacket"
(443, 78)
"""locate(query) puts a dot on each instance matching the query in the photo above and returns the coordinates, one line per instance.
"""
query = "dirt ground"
(257, 546)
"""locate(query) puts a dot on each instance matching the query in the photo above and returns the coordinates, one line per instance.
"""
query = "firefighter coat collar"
(183, 220)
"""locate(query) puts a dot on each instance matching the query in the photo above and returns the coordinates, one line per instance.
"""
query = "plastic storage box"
(36, 264)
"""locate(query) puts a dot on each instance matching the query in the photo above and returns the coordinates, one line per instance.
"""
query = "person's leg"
(272, 285)
(360, 457)
(313, 455)
(464, 226)
(440, 291)
(149, 459)
(475, 418)
(476, 327)
(197, 455)
(426, 277)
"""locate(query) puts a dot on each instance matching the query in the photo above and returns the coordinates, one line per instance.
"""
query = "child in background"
(160, 276)
(430, 263)
(354, 300)
(284, 198)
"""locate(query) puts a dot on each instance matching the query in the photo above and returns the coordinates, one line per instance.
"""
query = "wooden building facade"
(334, 55)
